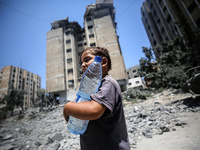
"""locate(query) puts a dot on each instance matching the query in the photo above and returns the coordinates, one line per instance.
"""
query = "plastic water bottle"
(90, 83)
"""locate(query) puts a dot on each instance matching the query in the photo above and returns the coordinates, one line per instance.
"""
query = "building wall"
(63, 69)
(21, 80)
(135, 83)
(134, 80)
(133, 72)
(55, 75)
(72, 71)
(104, 31)
(161, 18)
(150, 25)
(4, 80)
(67, 40)
(107, 38)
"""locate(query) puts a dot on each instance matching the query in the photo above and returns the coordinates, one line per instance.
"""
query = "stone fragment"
(7, 147)
(7, 137)
(57, 137)
(178, 124)
(173, 129)
(37, 144)
(54, 146)
(165, 128)
(147, 133)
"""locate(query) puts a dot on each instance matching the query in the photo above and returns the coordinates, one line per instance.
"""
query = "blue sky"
(25, 23)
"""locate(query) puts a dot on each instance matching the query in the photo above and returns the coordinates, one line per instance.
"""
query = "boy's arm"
(89, 110)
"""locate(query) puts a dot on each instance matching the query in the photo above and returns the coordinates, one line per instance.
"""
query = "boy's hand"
(66, 117)
(89, 110)
(65, 113)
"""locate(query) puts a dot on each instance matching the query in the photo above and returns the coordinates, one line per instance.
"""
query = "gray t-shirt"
(109, 132)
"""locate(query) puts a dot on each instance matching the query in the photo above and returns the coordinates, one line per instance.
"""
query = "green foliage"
(176, 57)
(21, 116)
(50, 98)
(158, 90)
(41, 98)
(44, 99)
(134, 94)
(2, 113)
(15, 98)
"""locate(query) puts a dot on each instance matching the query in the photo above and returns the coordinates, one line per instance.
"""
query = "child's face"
(86, 59)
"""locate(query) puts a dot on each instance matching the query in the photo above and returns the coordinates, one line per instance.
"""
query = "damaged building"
(21, 80)
(161, 19)
(134, 79)
(65, 42)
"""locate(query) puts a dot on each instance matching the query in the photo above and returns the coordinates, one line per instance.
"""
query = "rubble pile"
(155, 120)
(48, 130)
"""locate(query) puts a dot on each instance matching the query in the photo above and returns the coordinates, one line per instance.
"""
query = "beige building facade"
(134, 80)
(21, 80)
(65, 42)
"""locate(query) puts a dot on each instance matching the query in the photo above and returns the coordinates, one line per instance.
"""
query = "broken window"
(79, 54)
(93, 44)
(90, 27)
(169, 18)
(68, 41)
(71, 82)
(192, 6)
(158, 21)
(69, 60)
(80, 38)
(69, 50)
(70, 71)
(137, 82)
(154, 42)
(89, 19)
(91, 35)
(198, 22)
(79, 45)
(162, 30)
(134, 71)
(164, 9)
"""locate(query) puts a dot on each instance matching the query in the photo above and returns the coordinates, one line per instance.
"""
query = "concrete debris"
(7, 147)
(48, 129)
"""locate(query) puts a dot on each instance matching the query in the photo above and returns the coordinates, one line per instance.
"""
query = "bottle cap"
(98, 58)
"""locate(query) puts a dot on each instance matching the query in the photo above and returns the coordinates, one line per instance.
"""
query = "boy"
(107, 127)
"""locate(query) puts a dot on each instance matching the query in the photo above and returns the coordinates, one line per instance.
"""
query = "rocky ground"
(168, 121)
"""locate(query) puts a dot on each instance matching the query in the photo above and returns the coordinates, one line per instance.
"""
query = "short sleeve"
(106, 95)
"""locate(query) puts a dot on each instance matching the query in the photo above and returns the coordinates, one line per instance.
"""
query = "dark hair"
(99, 51)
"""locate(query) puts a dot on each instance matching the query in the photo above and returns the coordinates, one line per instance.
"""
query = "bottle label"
(77, 98)
(81, 99)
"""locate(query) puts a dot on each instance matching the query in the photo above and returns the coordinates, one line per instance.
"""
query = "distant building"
(21, 80)
(135, 81)
(65, 42)
(161, 18)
